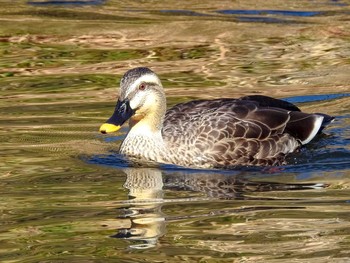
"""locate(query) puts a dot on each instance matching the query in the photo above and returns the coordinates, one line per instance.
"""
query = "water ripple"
(269, 12)
(63, 2)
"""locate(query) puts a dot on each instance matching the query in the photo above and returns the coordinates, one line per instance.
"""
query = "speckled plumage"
(253, 130)
(227, 132)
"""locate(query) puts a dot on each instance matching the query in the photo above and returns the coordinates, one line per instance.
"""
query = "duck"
(253, 130)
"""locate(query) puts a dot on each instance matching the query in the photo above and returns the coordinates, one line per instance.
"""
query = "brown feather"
(238, 131)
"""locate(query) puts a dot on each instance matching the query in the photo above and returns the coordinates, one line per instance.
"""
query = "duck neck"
(147, 125)
(149, 122)
(144, 139)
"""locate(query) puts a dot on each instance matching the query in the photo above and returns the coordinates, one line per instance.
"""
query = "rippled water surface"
(67, 196)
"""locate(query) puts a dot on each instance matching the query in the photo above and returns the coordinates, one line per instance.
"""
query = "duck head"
(141, 95)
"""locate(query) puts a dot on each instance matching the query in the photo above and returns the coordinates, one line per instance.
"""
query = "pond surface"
(66, 195)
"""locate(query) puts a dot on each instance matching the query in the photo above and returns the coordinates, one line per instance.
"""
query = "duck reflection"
(146, 190)
(145, 187)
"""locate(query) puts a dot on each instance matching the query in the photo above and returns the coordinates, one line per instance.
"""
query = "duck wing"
(228, 132)
(265, 101)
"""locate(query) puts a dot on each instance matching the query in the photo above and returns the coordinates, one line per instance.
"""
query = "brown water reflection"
(64, 191)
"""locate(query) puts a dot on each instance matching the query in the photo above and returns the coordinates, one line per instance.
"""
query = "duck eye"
(142, 86)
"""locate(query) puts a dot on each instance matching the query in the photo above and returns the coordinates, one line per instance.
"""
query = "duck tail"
(315, 128)
(327, 119)
(305, 127)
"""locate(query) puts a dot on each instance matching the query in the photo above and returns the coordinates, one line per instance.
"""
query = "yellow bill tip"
(108, 128)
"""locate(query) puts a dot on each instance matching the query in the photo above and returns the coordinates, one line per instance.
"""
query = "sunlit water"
(66, 194)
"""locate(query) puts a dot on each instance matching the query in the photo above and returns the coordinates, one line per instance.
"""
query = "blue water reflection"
(315, 97)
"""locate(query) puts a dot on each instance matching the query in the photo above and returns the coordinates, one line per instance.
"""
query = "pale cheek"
(144, 104)
(135, 103)
(150, 104)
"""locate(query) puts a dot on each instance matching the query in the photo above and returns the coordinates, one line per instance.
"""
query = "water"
(66, 194)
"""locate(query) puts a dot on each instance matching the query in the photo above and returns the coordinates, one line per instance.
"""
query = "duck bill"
(121, 114)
